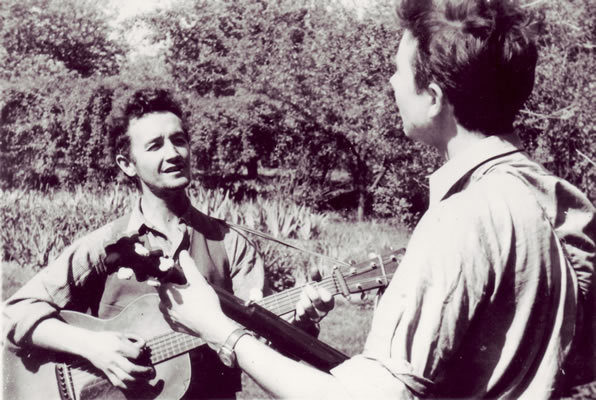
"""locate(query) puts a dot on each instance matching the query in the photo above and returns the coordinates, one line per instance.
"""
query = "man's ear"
(126, 165)
(436, 99)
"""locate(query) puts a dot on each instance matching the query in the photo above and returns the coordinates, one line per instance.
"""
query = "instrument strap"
(284, 242)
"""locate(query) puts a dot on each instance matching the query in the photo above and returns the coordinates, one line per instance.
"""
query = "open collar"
(137, 221)
(445, 178)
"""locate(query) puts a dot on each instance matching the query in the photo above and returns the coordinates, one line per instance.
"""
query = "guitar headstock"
(127, 255)
(370, 274)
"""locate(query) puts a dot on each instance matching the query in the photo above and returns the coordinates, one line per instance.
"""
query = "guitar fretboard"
(173, 344)
(284, 302)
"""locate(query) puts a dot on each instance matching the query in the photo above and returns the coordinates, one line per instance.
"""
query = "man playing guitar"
(97, 273)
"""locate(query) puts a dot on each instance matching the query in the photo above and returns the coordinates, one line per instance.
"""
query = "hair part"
(480, 52)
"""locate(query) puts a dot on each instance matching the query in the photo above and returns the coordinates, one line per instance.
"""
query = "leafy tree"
(54, 101)
(558, 124)
(299, 88)
(285, 76)
(72, 33)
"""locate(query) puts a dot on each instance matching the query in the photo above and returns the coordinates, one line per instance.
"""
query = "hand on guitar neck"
(313, 306)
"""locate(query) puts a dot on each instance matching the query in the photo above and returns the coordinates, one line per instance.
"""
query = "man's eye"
(180, 141)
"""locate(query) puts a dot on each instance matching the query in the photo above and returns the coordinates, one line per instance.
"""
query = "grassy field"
(36, 226)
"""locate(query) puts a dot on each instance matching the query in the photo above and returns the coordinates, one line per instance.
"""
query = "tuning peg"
(165, 264)
(363, 295)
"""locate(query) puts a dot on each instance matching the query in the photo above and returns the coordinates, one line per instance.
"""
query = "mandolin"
(35, 373)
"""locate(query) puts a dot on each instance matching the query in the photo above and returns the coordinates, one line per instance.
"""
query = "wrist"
(221, 334)
(227, 352)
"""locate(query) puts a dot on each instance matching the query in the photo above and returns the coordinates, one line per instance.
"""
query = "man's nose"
(171, 151)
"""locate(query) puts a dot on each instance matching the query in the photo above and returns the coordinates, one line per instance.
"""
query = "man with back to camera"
(150, 142)
(489, 299)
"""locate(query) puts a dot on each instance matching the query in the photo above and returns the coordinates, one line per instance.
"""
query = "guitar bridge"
(65, 384)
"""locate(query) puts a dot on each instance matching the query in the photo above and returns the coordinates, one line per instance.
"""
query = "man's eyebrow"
(154, 140)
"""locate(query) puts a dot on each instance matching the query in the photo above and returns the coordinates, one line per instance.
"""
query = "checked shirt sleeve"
(59, 285)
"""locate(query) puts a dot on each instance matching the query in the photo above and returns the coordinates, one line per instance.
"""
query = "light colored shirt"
(485, 300)
(65, 282)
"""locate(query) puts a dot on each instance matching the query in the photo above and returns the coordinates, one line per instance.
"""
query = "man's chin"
(178, 184)
(181, 185)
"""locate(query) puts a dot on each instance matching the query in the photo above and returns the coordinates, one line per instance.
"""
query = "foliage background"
(285, 98)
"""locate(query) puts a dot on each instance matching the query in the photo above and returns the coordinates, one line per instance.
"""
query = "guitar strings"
(291, 295)
(287, 298)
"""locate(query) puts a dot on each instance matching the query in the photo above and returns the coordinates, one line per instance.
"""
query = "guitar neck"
(285, 302)
(173, 344)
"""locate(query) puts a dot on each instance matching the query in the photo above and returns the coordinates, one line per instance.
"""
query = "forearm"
(54, 334)
(282, 376)
(50, 291)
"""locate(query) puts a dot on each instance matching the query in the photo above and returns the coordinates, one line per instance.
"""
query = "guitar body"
(33, 374)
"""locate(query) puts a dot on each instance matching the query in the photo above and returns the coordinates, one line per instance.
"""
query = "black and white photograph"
(305, 199)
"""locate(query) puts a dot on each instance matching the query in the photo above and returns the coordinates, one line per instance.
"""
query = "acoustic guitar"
(36, 373)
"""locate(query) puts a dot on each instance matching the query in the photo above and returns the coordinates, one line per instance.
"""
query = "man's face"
(412, 106)
(159, 152)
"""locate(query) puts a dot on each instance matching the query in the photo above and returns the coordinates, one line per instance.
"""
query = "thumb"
(191, 272)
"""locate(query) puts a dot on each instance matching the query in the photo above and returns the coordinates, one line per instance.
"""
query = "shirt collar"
(137, 219)
(442, 180)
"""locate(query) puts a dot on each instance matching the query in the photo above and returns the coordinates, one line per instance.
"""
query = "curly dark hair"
(135, 105)
(480, 52)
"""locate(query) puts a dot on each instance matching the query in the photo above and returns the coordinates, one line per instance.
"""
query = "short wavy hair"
(134, 104)
(481, 53)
